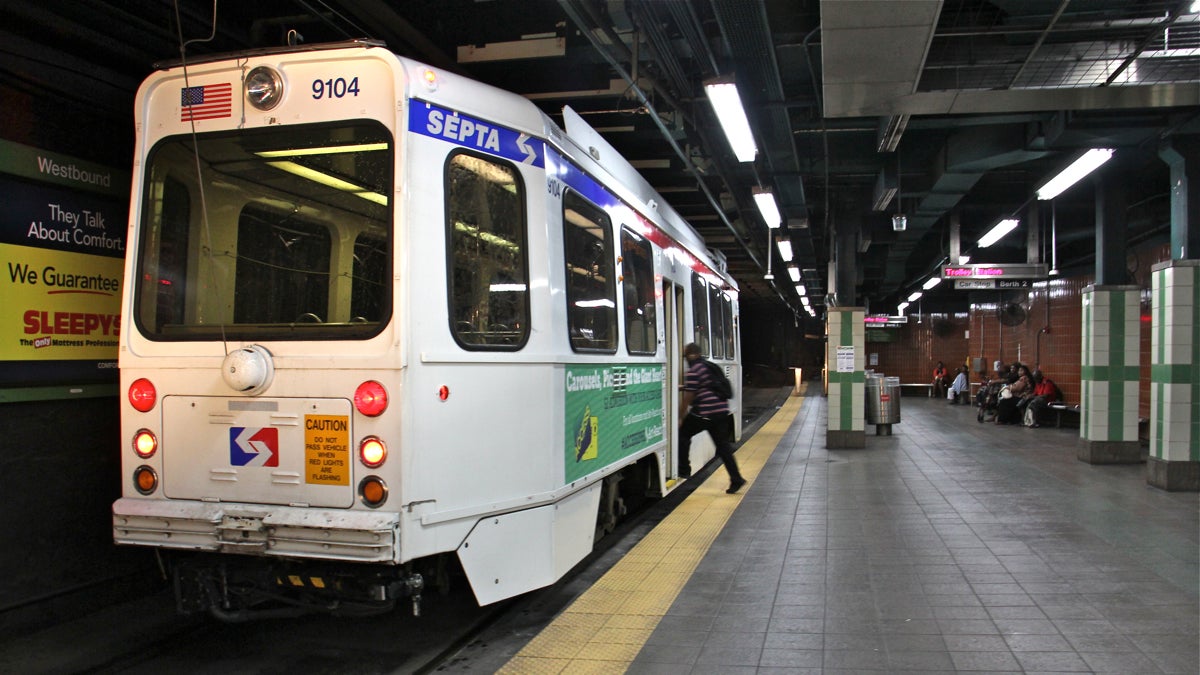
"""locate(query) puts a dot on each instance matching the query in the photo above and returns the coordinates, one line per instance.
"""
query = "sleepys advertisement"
(62, 249)
(611, 412)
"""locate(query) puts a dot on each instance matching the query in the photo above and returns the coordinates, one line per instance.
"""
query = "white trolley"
(380, 322)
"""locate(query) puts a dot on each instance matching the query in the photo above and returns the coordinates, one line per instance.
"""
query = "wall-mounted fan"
(1012, 314)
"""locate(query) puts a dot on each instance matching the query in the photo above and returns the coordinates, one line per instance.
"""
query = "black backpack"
(721, 386)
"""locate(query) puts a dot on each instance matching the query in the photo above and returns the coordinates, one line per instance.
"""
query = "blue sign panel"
(452, 126)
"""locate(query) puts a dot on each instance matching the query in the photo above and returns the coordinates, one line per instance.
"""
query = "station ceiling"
(963, 108)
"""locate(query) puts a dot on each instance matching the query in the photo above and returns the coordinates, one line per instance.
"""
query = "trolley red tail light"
(142, 395)
(370, 398)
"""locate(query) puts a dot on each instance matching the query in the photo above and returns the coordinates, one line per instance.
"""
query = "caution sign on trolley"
(326, 450)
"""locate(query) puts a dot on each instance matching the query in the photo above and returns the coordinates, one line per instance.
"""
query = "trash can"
(883, 402)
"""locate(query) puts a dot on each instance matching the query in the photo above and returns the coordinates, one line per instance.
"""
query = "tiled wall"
(918, 346)
(1049, 337)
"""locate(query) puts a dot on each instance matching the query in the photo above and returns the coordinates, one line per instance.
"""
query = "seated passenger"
(939, 381)
(1006, 409)
(960, 388)
(1044, 393)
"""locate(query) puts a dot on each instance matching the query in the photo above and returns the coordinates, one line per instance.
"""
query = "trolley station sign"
(1005, 271)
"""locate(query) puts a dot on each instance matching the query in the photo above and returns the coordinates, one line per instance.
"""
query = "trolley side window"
(716, 318)
(488, 266)
(637, 286)
(279, 233)
(591, 289)
(730, 326)
(700, 312)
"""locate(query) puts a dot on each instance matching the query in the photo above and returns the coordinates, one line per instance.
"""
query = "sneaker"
(737, 485)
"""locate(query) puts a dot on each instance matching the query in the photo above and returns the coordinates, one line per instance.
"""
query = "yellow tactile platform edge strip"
(606, 627)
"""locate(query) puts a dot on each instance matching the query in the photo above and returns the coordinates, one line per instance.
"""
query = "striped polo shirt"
(706, 403)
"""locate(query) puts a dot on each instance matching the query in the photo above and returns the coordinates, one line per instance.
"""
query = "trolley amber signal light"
(372, 452)
(142, 395)
(373, 491)
(145, 443)
(145, 480)
(370, 398)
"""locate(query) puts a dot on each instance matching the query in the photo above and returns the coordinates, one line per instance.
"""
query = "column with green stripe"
(1175, 365)
(846, 367)
(1110, 369)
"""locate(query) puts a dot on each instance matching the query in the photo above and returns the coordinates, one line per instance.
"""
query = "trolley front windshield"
(278, 233)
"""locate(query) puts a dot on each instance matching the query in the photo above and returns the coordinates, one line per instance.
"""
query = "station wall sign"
(62, 248)
(996, 271)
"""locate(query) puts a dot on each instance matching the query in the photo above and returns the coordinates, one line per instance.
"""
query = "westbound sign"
(1004, 271)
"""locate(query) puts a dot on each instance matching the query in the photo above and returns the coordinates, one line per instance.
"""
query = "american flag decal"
(205, 103)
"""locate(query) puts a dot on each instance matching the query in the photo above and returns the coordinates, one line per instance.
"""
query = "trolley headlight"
(145, 480)
(373, 491)
(264, 88)
(144, 443)
(372, 452)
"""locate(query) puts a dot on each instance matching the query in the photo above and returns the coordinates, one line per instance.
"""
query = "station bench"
(1064, 413)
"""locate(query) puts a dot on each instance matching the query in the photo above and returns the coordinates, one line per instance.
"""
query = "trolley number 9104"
(337, 87)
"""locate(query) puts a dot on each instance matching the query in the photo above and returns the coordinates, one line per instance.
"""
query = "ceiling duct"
(890, 130)
(962, 162)
(886, 187)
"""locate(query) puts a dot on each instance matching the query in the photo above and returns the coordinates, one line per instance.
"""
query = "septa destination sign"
(999, 271)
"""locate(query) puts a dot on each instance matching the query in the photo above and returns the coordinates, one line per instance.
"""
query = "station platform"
(948, 546)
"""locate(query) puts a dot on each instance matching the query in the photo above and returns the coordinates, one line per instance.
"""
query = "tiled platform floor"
(950, 546)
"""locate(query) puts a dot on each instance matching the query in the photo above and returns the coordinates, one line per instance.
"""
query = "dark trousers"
(720, 428)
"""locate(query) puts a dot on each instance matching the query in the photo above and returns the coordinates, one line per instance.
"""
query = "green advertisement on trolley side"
(611, 412)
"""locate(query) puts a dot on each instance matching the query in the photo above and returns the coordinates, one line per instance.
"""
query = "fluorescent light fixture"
(901, 307)
(801, 290)
(765, 200)
(964, 259)
(326, 150)
(727, 104)
(915, 296)
(595, 303)
(330, 181)
(785, 249)
(1089, 162)
(794, 272)
(999, 230)
(805, 301)
(931, 282)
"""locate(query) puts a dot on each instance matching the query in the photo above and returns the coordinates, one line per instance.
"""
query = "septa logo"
(254, 446)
